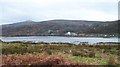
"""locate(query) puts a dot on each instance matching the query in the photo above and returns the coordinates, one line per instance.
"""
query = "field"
(28, 53)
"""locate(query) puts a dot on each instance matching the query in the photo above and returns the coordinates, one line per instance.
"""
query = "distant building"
(70, 33)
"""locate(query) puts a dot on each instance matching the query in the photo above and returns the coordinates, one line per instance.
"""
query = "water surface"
(74, 40)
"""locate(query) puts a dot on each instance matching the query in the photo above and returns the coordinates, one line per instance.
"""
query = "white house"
(70, 33)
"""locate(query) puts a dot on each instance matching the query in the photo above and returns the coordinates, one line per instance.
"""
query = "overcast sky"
(12, 11)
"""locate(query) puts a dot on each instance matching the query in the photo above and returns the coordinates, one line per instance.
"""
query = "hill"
(60, 27)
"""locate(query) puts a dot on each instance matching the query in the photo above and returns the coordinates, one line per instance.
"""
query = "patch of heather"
(39, 59)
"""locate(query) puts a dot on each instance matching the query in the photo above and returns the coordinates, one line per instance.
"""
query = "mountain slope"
(60, 27)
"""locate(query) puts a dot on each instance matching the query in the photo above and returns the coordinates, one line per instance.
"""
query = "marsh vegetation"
(29, 53)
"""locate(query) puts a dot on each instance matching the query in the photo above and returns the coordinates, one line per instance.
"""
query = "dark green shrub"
(49, 52)
(79, 53)
(75, 53)
(92, 54)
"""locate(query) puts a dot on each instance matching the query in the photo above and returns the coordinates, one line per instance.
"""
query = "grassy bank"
(28, 53)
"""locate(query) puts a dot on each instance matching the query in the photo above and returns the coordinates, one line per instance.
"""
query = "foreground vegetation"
(28, 53)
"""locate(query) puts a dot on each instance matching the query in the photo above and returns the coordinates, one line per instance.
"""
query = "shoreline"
(61, 43)
(62, 36)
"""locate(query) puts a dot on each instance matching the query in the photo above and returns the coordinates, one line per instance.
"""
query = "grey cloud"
(14, 11)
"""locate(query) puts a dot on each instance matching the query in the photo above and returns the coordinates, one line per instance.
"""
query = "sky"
(12, 11)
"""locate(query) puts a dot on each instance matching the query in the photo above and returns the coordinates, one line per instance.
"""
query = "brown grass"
(36, 59)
